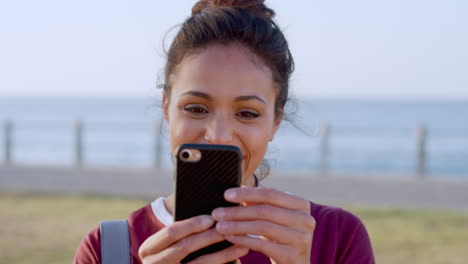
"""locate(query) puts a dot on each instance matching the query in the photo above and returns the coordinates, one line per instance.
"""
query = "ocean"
(365, 136)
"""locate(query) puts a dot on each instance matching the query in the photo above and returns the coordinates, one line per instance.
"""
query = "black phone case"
(200, 186)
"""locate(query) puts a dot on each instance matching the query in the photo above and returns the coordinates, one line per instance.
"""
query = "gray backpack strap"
(115, 242)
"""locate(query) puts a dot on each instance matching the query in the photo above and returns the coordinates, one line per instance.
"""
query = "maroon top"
(339, 238)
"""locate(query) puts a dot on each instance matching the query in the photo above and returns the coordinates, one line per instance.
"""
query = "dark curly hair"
(246, 22)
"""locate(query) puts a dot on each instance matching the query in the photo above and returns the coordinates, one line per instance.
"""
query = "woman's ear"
(165, 106)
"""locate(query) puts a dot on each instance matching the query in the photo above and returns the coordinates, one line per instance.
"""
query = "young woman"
(227, 83)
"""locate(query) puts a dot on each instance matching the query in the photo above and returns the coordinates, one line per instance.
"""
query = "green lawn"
(48, 228)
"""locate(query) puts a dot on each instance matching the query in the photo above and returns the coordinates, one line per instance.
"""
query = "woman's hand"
(173, 243)
(282, 221)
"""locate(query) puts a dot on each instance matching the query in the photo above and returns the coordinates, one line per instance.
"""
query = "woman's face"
(223, 95)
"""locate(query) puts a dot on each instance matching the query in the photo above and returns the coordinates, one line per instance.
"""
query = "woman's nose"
(219, 131)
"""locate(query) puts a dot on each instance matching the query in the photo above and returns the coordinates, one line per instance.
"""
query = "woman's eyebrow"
(198, 94)
(238, 99)
(249, 97)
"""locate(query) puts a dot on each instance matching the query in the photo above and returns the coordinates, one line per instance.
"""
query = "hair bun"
(257, 7)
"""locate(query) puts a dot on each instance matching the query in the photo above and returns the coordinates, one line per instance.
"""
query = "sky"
(344, 49)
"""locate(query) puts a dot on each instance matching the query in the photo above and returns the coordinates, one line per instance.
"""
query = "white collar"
(161, 213)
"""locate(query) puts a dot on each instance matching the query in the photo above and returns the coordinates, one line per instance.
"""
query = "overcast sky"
(343, 48)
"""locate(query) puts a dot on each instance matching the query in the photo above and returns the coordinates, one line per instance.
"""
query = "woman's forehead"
(222, 68)
(233, 55)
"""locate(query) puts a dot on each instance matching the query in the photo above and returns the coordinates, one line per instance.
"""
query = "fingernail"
(219, 213)
(207, 220)
(230, 194)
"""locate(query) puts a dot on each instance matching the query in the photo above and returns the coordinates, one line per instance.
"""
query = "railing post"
(8, 144)
(324, 133)
(421, 140)
(158, 143)
(78, 132)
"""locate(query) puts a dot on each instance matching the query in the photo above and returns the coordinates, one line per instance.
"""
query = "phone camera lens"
(190, 155)
(185, 154)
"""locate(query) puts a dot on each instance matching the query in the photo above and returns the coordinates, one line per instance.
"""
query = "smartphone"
(203, 173)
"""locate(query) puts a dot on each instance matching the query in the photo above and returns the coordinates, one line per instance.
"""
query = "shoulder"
(142, 223)
(336, 216)
(341, 234)
(89, 250)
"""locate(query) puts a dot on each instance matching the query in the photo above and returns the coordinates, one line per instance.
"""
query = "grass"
(38, 228)
(48, 228)
(409, 236)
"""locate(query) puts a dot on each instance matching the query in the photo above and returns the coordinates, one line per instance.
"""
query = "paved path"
(331, 190)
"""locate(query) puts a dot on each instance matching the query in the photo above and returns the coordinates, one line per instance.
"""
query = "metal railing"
(324, 132)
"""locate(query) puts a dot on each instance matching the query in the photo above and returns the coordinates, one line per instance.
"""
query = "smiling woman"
(227, 81)
(215, 102)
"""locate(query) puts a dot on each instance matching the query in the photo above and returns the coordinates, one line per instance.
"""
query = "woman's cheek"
(184, 131)
(256, 139)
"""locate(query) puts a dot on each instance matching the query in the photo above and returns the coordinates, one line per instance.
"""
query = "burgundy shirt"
(339, 238)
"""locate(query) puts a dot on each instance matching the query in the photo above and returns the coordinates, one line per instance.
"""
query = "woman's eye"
(198, 110)
(248, 115)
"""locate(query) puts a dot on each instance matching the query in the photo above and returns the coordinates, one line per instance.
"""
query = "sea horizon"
(366, 135)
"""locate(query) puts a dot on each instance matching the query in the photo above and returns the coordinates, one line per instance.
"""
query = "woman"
(227, 83)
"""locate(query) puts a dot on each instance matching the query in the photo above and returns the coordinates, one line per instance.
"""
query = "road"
(337, 190)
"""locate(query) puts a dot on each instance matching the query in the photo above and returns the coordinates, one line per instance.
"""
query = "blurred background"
(381, 89)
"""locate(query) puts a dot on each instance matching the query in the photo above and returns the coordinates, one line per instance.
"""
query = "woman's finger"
(182, 248)
(287, 217)
(268, 196)
(195, 242)
(273, 232)
(175, 232)
(232, 253)
(279, 253)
